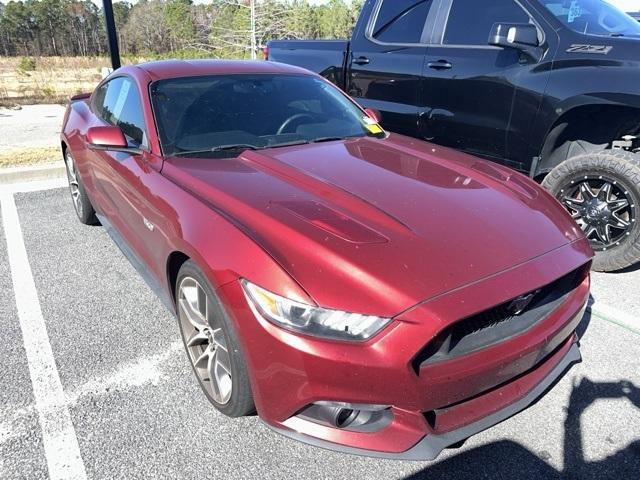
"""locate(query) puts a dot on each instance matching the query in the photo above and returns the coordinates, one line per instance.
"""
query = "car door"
(387, 59)
(477, 97)
(122, 178)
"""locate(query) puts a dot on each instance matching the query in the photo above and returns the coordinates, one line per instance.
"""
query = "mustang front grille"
(499, 323)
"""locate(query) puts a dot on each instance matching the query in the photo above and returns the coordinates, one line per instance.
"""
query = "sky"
(627, 5)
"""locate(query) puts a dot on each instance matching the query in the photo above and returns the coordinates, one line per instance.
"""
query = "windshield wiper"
(237, 146)
(332, 139)
(288, 144)
(220, 148)
(306, 142)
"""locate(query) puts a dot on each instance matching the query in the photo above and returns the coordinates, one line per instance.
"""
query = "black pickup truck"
(547, 87)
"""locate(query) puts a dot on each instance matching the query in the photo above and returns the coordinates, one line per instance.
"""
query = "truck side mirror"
(521, 36)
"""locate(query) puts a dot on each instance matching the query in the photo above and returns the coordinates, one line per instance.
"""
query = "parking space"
(619, 289)
(137, 411)
(21, 448)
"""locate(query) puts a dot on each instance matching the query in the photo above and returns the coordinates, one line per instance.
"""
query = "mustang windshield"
(220, 115)
(593, 17)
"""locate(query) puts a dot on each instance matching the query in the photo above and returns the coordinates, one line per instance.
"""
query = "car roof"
(190, 68)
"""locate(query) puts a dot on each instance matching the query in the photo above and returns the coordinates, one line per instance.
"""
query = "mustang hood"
(397, 216)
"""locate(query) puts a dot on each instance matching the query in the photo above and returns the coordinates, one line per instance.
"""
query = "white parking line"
(59, 437)
(34, 186)
(615, 316)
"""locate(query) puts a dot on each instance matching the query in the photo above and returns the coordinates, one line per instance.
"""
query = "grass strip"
(29, 156)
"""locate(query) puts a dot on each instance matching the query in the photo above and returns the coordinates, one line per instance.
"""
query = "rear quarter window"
(97, 101)
(401, 21)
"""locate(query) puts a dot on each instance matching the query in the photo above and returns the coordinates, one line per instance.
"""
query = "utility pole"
(112, 36)
(253, 30)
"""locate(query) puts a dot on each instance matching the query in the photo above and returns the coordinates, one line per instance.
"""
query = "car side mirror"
(521, 36)
(373, 113)
(109, 138)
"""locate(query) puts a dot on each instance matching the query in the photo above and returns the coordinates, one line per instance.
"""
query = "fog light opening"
(345, 417)
(348, 416)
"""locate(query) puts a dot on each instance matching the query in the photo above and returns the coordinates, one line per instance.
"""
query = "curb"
(615, 316)
(47, 171)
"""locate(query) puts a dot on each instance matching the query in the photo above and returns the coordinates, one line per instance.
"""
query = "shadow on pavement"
(508, 459)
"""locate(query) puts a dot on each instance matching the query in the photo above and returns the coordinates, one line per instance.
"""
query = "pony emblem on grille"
(520, 304)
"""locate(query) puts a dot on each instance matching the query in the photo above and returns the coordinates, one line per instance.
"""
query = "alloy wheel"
(205, 343)
(604, 209)
(74, 186)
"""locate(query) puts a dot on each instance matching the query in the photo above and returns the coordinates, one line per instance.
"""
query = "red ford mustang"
(363, 291)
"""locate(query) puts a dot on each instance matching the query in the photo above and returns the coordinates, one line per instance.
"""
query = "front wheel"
(212, 344)
(601, 191)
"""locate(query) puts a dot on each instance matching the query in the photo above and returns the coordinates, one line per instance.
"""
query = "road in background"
(138, 411)
(30, 126)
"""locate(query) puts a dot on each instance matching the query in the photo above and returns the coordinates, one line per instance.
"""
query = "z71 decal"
(576, 48)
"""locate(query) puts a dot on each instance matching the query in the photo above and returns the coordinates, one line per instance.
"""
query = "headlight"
(312, 320)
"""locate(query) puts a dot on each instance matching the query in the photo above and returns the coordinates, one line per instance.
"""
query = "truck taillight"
(265, 52)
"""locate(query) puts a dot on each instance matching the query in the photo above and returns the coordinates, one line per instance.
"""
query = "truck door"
(387, 58)
(480, 98)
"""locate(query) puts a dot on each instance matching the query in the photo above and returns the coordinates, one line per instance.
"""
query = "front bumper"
(434, 406)
(432, 445)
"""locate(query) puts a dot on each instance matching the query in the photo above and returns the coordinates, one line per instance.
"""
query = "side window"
(470, 21)
(401, 21)
(122, 107)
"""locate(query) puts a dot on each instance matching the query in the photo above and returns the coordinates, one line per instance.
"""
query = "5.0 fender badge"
(579, 48)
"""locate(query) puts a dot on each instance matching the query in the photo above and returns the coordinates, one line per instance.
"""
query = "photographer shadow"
(509, 459)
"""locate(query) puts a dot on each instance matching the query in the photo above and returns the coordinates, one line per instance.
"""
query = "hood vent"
(331, 221)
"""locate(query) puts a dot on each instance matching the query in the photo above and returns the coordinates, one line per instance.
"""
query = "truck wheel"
(601, 191)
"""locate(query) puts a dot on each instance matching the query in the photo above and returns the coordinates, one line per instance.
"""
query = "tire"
(208, 332)
(81, 203)
(621, 170)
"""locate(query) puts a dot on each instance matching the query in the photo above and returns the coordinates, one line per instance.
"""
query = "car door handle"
(361, 61)
(440, 65)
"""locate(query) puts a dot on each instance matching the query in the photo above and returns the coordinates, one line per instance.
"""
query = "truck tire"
(601, 191)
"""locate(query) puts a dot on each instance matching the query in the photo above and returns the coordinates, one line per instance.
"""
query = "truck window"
(593, 17)
(470, 21)
(401, 21)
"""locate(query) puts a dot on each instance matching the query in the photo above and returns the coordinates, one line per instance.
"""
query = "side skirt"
(149, 278)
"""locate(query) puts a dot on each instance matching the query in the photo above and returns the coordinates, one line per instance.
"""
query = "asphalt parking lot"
(127, 405)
